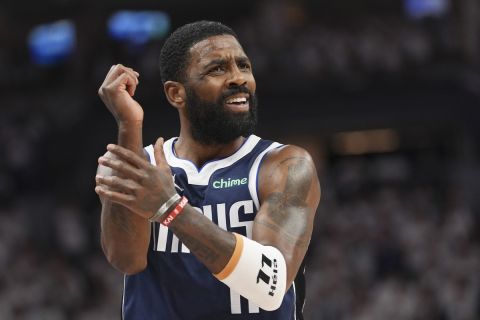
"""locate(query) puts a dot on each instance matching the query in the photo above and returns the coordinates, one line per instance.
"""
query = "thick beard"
(212, 123)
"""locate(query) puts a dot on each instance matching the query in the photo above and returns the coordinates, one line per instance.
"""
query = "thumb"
(160, 159)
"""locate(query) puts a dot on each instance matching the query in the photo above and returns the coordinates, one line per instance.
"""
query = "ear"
(175, 93)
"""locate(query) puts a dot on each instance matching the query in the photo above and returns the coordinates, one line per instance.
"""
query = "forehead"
(222, 46)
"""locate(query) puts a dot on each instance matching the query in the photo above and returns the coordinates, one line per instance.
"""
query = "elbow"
(126, 264)
(130, 268)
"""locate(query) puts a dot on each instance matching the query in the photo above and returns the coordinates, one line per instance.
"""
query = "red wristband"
(175, 212)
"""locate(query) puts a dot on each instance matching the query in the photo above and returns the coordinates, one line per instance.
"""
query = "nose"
(237, 77)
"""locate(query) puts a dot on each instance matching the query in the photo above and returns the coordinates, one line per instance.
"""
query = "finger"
(133, 75)
(113, 73)
(160, 159)
(117, 70)
(124, 81)
(98, 184)
(131, 72)
(128, 156)
(118, 184)
(109, 75)
(121, 198)
(120, 75)
(104, 186)
(125, 169)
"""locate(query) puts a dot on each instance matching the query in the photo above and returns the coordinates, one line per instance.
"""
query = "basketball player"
(213, 224)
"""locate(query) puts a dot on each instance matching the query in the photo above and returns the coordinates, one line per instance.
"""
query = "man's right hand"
(117, 91)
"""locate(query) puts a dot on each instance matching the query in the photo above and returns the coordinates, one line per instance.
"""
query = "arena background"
(385, 94)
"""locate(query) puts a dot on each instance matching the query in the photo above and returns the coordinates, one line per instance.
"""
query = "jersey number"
(236, 306)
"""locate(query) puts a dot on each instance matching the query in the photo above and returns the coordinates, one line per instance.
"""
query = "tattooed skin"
(295, 190)
(201, 250)
(289, 194)
(288, 210)
(121, 216)
(124, 235)
(205, 243)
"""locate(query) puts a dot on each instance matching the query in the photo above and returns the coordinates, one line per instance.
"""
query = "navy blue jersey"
(175, 285)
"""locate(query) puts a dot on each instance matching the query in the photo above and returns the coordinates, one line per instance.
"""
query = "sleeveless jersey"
(175, 285)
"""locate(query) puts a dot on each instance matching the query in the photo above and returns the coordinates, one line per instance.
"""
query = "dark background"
(387, 104)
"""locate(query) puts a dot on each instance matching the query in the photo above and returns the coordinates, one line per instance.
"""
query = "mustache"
(234, 90)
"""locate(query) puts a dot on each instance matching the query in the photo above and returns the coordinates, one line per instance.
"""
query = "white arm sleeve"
(257, 272)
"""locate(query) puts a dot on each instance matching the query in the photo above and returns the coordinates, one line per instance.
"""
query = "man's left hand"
(136, 184)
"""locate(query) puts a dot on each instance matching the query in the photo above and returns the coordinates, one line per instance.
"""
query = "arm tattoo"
(121, 217)
(299, 178)
(116, 213)
(288, 210)
(298, 242)
(205, 246)
(201, 250)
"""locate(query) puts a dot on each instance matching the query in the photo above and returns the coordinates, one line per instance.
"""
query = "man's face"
(221, 103)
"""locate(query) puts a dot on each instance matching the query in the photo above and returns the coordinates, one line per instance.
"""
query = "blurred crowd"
(384, 247)
(285, 38)
(290, 43)
(51, 265)
(394, 238)
(387, 247)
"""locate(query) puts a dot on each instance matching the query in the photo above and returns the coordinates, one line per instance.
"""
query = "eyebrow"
(222, 61)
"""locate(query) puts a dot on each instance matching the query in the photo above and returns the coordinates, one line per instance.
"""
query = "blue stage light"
(52, 43)
(138, 27)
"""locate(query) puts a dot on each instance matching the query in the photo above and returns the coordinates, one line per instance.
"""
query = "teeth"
(237, 100)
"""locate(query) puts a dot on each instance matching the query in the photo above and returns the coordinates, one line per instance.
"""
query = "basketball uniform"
(175, 285)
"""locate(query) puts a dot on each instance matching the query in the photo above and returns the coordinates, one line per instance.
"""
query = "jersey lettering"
(228, 183)
(238, 209)
(224, 191)
(235, 210)
(236, 306)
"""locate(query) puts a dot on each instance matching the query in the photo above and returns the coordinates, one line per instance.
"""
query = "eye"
(216, 70)
(244, 66)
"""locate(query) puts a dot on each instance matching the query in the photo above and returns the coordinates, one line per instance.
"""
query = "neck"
(187, 148)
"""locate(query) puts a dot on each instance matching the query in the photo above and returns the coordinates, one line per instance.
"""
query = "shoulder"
(287, 153)
(285, 157)
(287, 167)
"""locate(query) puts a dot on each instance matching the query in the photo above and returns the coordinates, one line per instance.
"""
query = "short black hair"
(174, 55)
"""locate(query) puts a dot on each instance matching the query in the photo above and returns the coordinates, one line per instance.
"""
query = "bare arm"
(154, 186)
(289, 192)
(124, 235)
(289, 196)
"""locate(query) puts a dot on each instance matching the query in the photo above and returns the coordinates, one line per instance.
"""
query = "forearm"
(251, 269)
(125, 235)
(130, 136)
(211, 245)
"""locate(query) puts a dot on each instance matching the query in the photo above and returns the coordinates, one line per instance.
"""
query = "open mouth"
(238, 102)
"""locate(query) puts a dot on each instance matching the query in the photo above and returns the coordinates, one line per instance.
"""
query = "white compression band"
(257, 272)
